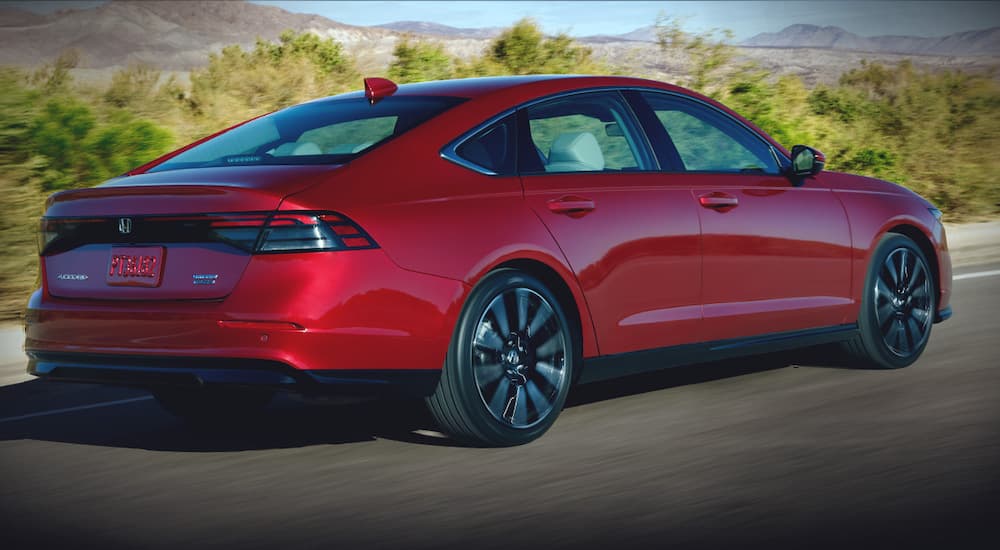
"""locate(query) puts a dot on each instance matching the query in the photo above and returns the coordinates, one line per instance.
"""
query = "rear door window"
(592, 132)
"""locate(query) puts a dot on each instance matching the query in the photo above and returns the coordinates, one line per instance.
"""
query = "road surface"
(789, 450)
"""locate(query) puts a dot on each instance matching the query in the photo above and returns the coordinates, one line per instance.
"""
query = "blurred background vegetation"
(932, 131)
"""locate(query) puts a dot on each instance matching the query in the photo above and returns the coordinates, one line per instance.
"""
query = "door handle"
(571, 205)
(718, 201)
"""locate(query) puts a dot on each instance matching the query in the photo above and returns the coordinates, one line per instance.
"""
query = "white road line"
(976, 275)
(73, 409)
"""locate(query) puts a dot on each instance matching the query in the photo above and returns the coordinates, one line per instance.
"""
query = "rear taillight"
(255, 232)
(58, 232)
(309, 231)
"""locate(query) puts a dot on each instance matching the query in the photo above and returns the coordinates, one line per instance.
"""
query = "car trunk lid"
(173, 235)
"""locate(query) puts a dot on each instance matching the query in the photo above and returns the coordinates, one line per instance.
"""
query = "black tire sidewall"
(484, 425)
(868, 327)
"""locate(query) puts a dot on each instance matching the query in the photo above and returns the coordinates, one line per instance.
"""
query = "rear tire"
(510, 363)
(212, 405)
(898, 306)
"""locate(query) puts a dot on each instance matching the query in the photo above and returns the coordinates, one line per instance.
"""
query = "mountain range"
(981, 42)
(179, 35)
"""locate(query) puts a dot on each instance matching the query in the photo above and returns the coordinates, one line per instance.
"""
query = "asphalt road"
(792, 450)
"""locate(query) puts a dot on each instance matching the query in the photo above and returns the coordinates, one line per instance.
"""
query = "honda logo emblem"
(124, 225)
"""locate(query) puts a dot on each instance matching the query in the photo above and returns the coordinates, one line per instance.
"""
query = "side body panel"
(636, 255)
(780, 260)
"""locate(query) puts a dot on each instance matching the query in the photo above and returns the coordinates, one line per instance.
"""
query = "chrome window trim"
(450, 151)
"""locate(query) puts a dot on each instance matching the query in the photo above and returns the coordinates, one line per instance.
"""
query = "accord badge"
(204, 278)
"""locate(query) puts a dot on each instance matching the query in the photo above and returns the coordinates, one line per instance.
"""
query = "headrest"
(575, 151)
(295, 148)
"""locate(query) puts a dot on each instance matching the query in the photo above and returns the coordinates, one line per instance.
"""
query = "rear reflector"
(261, 325)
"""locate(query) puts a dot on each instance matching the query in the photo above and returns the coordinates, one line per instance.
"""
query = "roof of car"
(472, 87)
(480, 86)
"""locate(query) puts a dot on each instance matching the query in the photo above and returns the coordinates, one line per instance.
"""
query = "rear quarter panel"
(435, 217)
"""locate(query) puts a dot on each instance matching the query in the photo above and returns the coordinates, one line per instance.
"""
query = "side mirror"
(806, 161)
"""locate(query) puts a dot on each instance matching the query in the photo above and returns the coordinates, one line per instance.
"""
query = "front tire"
(899, 302)
(510, 363)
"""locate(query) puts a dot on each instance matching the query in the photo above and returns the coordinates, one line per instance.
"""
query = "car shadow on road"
(291, 423)
(141, 424)
(825, 356)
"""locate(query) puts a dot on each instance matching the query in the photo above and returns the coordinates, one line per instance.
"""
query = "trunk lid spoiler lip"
(268, 189)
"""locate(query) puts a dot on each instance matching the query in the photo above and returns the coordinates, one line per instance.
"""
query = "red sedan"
(484, 243)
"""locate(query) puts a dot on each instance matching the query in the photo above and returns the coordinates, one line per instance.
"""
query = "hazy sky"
(577, 18)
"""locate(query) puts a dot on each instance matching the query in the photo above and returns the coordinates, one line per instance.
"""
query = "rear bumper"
(293, 320)
(157, 371)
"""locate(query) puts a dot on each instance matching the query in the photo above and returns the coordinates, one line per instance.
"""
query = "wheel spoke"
(549, 373)
(921, 315)
(542, 316)
(551, 347)
(914, 331)
(487, 338)
(890, 268)
(889, 332)
(882, 291)
(541, 402)
(883, 314)
(499, 310)
(883, 302)
(904, 260)
(501, 398)
(522, 308)
(900, 340)
(918, 270)
(519, 408)
(487, 374)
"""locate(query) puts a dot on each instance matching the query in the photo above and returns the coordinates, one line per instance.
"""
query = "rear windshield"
(330, 131)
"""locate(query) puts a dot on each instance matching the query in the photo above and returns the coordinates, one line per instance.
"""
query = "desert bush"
(237, 84)
(419, 61)
(524, 49)
(70, 148)
(132, 85)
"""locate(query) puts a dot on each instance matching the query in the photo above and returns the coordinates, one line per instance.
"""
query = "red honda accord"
(484, 243)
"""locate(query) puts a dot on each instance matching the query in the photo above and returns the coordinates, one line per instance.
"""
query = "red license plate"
(135, 266)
